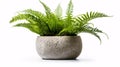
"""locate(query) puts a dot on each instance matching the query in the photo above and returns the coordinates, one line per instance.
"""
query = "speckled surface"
(59, 47)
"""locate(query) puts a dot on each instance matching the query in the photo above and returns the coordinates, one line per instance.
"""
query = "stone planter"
(59, 47)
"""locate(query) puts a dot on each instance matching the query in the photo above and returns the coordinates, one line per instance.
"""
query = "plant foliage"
(53, 24)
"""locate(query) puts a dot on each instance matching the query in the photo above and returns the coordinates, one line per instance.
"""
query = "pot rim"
(58, 36)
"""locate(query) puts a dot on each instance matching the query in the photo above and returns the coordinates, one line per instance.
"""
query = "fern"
(84, 18)
(31, 27)
(58, 11)
(37, 14)
(22, 17)
(33, 20)
(47, 9)
(69, 17)
(53, 24)
(91, 32)
(69, 9)
(69, 31)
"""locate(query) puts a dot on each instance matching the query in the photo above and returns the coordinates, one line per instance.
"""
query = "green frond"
(84, 18)
(31, 27)
(32, 20)
(70, 31)
(90, 24)
(53, 19)
(91, 31)
(19, 17)
(99, 31)
(37, 14)
(69, 9)
(58, 11)
(23, 17)
(47, 9)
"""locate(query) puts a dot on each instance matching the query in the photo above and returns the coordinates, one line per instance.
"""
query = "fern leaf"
(31, 27)
(84, 18)
(99, 31)
(69, 17)
(40, 17)
(33, 20)
(52, 19)
(58, 11)
(37, 14)
(88, 30)
(23, 17)
(47, 9)
(70, 8)
(70, 31)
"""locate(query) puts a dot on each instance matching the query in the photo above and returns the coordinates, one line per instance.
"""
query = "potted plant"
(58, 35)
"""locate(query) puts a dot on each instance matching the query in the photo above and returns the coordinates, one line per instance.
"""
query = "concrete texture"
(59, 47)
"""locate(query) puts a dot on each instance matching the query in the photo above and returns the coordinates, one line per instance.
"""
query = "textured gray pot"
(59, 47)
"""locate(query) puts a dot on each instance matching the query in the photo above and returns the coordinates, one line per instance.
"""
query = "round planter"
(59, 47)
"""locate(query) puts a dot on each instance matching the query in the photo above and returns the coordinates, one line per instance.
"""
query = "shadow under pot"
(59, 47)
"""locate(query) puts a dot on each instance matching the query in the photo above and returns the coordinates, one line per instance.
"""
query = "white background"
(17, 45)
